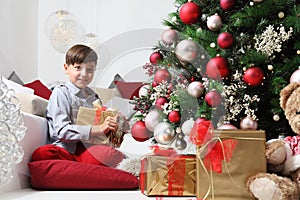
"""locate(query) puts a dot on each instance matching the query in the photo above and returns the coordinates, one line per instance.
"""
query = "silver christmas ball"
(195, 89)
(187, 51)
(180, 144)
(169, 36)
(153, 118)
(187, 126)
(164, 133)
(248, 123)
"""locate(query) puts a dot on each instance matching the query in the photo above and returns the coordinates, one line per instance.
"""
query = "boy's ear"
(65, 68)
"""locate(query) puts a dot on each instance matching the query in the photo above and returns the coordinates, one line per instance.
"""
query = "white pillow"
(16, 87)
(122, 105)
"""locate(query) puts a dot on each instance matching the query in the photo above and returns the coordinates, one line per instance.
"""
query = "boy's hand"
(109, 124)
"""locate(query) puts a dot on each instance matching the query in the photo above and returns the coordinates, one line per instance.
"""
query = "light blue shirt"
(61, 114)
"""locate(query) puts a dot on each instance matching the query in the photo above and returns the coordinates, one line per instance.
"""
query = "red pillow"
(39, 89)
(128, 89)
(65, 174)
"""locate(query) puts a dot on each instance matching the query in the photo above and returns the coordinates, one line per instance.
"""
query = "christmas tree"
(222, 60)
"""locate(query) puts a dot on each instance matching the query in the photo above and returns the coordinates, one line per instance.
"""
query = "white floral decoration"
(270, 40)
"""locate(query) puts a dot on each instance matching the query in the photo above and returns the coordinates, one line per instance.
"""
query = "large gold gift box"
(168, 176)
(96, 116)
(247, 159)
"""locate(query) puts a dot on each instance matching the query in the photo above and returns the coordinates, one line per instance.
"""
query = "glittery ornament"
(164, 133)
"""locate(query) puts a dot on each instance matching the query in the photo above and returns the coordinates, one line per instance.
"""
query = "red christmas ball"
(217, 68)
(160, 102)
(227, 4)
(155, 57)
(253, 76)
(213, 98)
(139, 131)
(189, 13)
(174, 116)
(162, 75)
(225, 40)
(200, 120)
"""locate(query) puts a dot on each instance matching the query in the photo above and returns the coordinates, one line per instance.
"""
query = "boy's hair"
(80, 54)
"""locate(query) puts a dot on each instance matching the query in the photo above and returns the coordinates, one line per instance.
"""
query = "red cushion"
(128, 89)
(39, 89)
(65, 174)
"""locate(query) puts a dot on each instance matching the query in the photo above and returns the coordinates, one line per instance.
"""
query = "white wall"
(19, 38)
(127, 31)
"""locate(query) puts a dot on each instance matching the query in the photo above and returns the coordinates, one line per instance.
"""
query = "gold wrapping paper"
(94, 116)
(168, 176)
(248, 158)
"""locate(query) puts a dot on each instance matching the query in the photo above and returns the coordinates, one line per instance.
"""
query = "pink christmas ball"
(227, 126)
(248, 123)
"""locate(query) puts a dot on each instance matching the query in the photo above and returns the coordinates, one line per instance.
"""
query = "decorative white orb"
(187, 51)
(195, 89)
(91, 40)
(164, 133)
(295, 76)
(153, 118)
(187, 126)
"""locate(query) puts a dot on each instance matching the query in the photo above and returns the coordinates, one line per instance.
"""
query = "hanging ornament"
(189, 13)
(248, 123)
(139, 131)
(227, 126)
(169, 36)
(195, 89)
(180, 143)
(217, 68)
(186, 51)
(295, 76)
(144, 90)
(227, 4)
(253, 76)
(187, 126)
(65, 34)
(214, 22)
(276, 118)
(174, 116)
(153, 118)
(155, 57)
(213, 98)
(164, 133)
(162, 75)
(225, 40)
(160, 102)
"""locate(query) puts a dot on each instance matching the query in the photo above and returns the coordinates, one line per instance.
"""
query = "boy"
(67, 138)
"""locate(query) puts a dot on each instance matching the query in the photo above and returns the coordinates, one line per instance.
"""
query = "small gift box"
(226, 160)
(172, 175)
(96, 116)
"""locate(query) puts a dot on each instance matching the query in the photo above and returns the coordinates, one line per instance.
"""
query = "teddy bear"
(282, 181)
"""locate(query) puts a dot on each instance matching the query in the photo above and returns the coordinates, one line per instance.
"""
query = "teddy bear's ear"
(286, 93)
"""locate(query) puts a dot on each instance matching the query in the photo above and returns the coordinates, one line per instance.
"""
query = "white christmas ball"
(153, 118)
(144, 90)
(295, 76)
(248, 123)
(187, 51)
(169, 36)
(195, 89)
(164, 133)
(227, 126)
(187, 126)
(214, 22)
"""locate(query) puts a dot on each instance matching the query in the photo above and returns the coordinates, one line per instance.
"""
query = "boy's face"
(81, 74)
